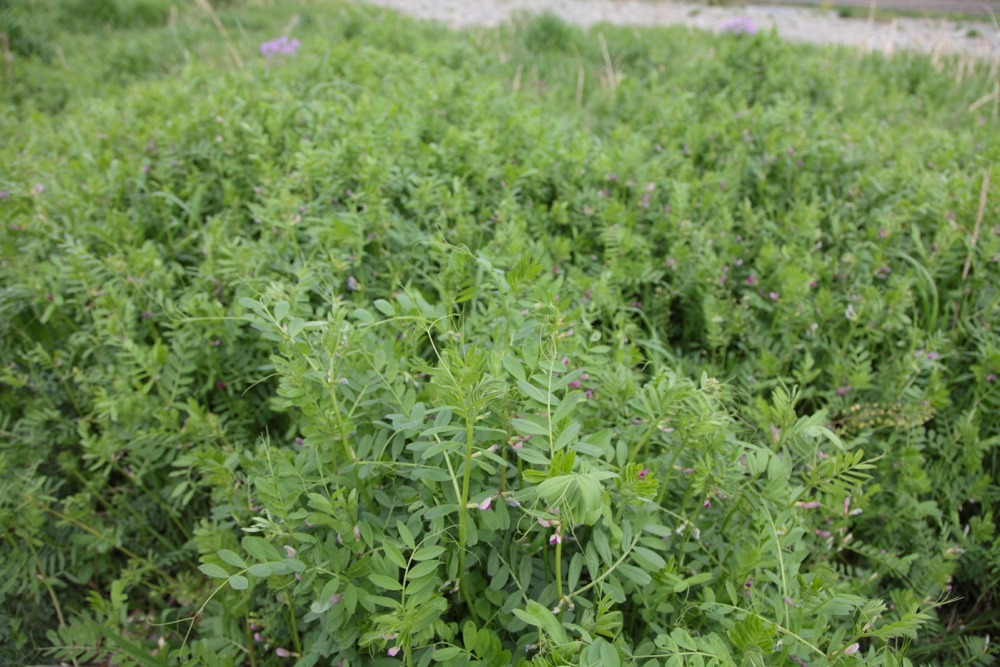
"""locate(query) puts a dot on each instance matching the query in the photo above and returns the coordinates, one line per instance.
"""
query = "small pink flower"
(257, 637)
(774, 296)
(687, 471)
(853, 648)
(290, 551)
(790, 602)
(575, 384)
(555, 539)
(846, 389)
(565, 361)
(38, 189)
(485, 505)
(491, 448)
(992, 377)
(336, 598)
(545, 523)
(357, 533)
(282, 653)
(748, 584)
(932, 355)
(751, 280)
(707, 503)
(589, 394)
(847, 505)
(811, 505)
(643, 473)
(393, 651)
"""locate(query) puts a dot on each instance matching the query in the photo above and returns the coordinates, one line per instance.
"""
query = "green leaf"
(384, 582)
(239, 582)
(700, 578)
(531, 391)
(260, 570)
(566, 406)
(384, 307)
(261, 549)
(406, 535)
(567, 436)
(393, 553)
(423, 569)
(514, 367)
(531, 426)
(447, 653)
(280, 310)
(427, 553)
(232, 558)
(531, 455)
(213, 570)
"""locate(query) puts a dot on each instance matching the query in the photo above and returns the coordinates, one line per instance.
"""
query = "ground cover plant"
(343, 339)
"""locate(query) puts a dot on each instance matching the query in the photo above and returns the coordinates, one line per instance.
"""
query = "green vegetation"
(515, 346)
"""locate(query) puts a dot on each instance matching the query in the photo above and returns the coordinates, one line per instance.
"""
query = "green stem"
(559, 588)
(296, 642)
(463, 514)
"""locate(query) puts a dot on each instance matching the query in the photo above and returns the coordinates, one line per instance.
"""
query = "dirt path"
(797, 24)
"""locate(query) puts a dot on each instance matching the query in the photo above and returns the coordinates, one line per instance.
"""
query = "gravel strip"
(937, 37)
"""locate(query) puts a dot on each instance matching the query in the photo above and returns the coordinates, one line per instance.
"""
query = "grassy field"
(332, 338)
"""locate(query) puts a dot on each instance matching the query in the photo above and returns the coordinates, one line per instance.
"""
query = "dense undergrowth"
(688, 340)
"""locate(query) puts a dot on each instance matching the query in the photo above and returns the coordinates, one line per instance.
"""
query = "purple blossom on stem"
(643, 473)
(281, 46)
(811, 505)
(485, 505)
(282, 652)
(846, 389)
(741, 25)
(393, 651)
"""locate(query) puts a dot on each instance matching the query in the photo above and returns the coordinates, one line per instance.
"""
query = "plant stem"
(559, 588)
(296, 642)
(463, 513)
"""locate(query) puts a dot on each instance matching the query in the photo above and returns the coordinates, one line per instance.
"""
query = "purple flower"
(642, 475)
(748, 584)
(485, 505)
(751, 280)
(555, 539)
(774, 296)
(992, 377)
(853, 648)
(282, 46)
(575, 384)
(932, 356)
(257, 637)
(290, 551)
(811, 505)
(4, 194)
(846, 389)
(739, 26)
(38, 189)
(393, 651)
(282, 652)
